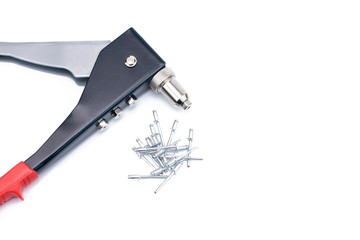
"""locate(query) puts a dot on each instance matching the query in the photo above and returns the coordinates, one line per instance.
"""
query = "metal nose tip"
(186, 105)
(165, 82)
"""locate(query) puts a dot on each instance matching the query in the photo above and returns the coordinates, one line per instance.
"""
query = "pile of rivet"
(163, 156)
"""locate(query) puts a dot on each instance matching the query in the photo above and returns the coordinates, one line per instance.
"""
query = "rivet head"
(131, 61)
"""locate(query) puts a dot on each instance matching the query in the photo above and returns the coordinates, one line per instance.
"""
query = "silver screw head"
(131, 61)
(131, 100)
(101, 124)
(116, 112)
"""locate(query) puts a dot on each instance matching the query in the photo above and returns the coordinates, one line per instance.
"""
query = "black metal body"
(110, 84)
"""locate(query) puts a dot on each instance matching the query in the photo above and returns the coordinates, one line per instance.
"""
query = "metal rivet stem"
(173, 129)
(190, 139)
(141, 144)
(147, 160)
(157, 123)
(139, 177)
(173, 172)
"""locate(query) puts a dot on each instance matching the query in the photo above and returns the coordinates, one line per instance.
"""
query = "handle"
(76, 57)
(14, 181)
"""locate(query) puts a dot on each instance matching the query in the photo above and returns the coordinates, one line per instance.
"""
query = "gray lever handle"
(76, 57)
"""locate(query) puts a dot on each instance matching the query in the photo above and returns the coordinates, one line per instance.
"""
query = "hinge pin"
(131, 61)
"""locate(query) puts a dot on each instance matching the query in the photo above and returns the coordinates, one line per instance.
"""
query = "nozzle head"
(165, 82)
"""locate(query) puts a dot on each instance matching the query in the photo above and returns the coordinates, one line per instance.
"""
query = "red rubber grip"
(14, 181)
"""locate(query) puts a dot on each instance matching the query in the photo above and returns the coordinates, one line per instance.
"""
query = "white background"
(275, 91)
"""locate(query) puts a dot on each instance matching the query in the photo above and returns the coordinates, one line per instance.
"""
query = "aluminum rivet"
(165, 158)
(173, 129)
(138, 177)
(157, 123)
(190, 139)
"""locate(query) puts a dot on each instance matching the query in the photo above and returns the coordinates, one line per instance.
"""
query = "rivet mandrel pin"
(150, 142)
(177, 159)
(152, 129)
(174, 162)
(156, 149)
(139, 177)
(157, 123)
(173, 129)
(190, 139)
(152, 164)
(173, 172)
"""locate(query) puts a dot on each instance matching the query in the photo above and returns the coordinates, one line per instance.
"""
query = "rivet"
(166, 158)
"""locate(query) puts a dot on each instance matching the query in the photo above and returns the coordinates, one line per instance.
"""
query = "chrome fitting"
(165, 82)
